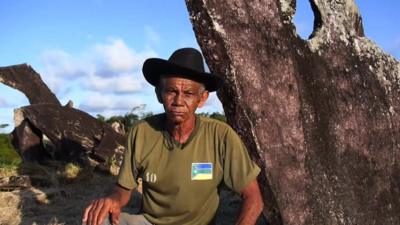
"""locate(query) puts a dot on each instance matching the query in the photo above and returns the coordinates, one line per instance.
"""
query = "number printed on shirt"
(151, 177)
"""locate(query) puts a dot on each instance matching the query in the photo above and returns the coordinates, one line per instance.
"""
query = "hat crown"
(185, 62)
(189, 58)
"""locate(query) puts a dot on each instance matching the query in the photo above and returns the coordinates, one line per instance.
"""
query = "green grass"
(9, 158)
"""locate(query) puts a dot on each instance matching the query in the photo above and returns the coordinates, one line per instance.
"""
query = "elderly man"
(181, 157)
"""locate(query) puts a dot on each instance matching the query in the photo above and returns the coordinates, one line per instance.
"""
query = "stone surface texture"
(46, 130)
(23, 78)
(320, 116)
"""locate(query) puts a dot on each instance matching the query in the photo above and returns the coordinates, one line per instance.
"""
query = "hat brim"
(153, 68)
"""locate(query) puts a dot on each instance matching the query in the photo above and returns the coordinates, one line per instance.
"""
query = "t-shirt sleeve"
(127, 174)
(239, 169)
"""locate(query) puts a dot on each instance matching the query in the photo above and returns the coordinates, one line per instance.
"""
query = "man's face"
(180, 97)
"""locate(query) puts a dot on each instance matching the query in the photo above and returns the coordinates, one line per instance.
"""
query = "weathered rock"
(46, 130)
(74, 135)
(26, 139)
(321, 116)
(25, 79)
(14, 182)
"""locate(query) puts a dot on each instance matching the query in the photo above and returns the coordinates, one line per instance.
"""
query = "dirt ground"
(57, 197)
(52, 200)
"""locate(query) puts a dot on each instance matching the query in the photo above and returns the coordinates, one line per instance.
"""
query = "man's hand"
(252, 204)
(100, 209)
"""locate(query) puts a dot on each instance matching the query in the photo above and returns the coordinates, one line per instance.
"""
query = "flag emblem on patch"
(202, 171)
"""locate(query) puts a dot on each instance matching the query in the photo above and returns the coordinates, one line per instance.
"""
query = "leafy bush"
(8, 156)
(128, 120)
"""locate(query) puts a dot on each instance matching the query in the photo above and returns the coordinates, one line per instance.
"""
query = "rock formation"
(320, 116)
(46, 130)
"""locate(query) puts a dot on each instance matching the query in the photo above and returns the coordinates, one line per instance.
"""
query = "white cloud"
(58, 63)
(104, 78)
(105, 67)
(125, 83)
(60, 67)
(97, 102)
(116, 57)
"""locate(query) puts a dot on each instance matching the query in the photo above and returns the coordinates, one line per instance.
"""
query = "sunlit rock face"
(321, 116)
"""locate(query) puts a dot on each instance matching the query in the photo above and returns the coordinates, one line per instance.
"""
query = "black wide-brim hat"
(184, 62)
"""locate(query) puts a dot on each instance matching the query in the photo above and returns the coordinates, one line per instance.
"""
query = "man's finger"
(85, 214)
(115, 216)
(97, 212)
(91, 216)
(105, 210)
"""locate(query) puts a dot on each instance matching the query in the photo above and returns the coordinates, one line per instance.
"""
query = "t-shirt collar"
(175, 142)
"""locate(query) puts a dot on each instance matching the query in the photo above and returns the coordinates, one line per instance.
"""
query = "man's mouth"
(175, 113)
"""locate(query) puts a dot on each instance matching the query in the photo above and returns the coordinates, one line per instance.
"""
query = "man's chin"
(176, 119)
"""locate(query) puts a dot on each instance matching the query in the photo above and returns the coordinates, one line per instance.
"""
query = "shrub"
(8, 156)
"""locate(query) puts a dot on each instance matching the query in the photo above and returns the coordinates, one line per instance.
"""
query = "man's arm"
(252, 204)
(99, 209)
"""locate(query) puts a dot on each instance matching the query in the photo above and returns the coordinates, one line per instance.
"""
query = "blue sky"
(91, 51)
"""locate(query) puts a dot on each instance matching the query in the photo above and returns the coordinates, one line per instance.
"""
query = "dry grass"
(71, 171)
(8, 169)
(58, 196)
(7, 172)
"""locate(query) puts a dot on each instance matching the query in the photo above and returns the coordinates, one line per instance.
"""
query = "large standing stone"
(321, 116)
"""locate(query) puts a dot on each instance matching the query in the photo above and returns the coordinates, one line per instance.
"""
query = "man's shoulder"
(214, 124)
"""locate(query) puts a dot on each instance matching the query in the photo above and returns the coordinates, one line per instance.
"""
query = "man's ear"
(203, 99)
(158, 93)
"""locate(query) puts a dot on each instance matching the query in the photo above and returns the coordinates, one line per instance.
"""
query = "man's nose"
(178, 99)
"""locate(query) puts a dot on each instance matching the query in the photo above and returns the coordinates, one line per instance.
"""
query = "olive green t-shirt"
(180, 180)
